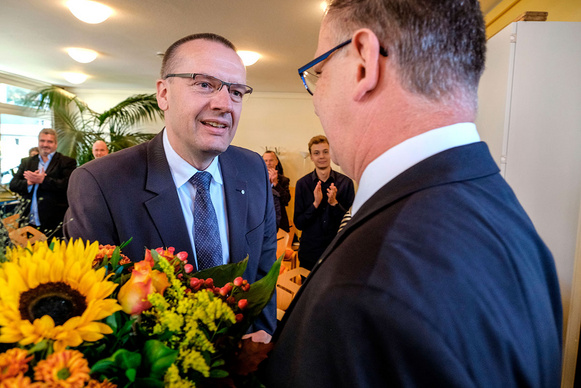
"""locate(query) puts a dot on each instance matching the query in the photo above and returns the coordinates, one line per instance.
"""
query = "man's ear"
(162, 94)
(367, 48)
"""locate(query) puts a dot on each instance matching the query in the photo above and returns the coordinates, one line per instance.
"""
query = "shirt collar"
(49, 157)
(181, 170)
(315, 177)
(407, 154)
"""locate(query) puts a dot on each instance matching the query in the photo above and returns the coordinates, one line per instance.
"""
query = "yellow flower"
(13, 362)
(66, 369)
(54, 294)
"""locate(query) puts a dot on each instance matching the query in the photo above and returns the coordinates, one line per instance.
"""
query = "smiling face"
(100, 149)
(46, 144)
(320, 156)
(200, 127)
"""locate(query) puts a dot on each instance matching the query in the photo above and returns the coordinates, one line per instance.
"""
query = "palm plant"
(78, 126)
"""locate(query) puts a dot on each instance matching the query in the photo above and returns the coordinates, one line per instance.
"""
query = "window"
(19, 126)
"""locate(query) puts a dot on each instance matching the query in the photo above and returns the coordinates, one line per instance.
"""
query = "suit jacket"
(439, 280)
(131, 194)
(51, 193)
(282, 188)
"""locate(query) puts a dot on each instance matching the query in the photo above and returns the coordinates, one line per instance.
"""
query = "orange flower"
(66, 369)
(104, 384)
(107, 250)
(19, 382)
(13, 362)
(144, 281)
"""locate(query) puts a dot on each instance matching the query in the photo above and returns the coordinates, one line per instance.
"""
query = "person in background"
(42, 181)
(187, 188)
(33, 151)
(440, 278)
(321, 199)
(280, 184)
(100, 149)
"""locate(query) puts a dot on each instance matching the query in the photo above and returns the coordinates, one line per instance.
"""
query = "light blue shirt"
(42, 166)
(181, 172)
(409, 153)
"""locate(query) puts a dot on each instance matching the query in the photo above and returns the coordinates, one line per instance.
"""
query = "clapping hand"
(273, 176)
(318, 194)
(34, 177)
(332, 195)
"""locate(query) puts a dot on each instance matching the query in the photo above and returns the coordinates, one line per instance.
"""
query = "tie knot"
(202, 180)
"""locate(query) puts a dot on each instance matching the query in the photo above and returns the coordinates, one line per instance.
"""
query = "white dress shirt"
(409, 153)
(181, 172)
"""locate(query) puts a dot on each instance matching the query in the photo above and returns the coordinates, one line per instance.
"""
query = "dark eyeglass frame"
(248, 89)
(322, 57)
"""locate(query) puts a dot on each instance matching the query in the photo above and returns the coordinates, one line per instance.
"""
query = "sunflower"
(54, 294)
(66, 369)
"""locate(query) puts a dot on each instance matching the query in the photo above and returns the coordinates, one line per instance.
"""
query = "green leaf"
(157, 358)
(149, 383)
(131, 374)
(42, 345)
(261, 292)
(223, 274)
(218, 374)
(122, 359)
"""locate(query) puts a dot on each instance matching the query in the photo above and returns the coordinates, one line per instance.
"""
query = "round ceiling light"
(82, 55)
(248, 57)
(89, 11)
(75, 78)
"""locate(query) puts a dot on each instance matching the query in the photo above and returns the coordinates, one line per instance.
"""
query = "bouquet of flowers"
(76, 315)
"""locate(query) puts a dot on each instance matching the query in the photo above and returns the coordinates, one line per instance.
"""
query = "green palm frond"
(132, 111)
(78, 126)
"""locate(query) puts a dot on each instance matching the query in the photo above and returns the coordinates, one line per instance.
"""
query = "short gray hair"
(49, 131)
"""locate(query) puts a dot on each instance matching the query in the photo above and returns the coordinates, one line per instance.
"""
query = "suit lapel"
(236, 195)
(454, 165)
(164, 209)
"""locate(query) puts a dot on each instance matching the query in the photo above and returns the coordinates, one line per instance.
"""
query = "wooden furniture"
(287, 286)
(11, 223)
(28, 234)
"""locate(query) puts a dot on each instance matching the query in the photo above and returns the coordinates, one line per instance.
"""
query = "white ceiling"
(35, 33)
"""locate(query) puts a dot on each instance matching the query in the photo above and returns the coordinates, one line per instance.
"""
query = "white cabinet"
(530, 116)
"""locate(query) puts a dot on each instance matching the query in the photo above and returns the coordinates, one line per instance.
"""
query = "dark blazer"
(282, 188)
(439, 280)
(51, 193)
(131, 194)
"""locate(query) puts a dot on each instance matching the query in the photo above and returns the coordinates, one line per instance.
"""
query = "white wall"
(283, 120)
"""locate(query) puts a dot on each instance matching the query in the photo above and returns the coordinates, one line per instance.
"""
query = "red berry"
(210, 282)
(238, 281)
(188, 268)
(239, 317)
(242, 304)
(224, 291)
(183, 256)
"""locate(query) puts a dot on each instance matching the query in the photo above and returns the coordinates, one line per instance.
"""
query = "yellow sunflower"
(54, 294)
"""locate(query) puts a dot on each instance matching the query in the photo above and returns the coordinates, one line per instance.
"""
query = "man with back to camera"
(322, 198)
(154, 192)
(440, 278)
(42, 181)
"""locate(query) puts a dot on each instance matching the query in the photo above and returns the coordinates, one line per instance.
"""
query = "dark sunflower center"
(58, 300)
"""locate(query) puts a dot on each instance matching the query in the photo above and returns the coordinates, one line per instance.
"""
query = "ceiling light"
(82, 55)
(324, 6)
(89, 11)
(249, 57)
(75, 78)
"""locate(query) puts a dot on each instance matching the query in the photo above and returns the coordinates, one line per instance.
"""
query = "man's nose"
(222, 100)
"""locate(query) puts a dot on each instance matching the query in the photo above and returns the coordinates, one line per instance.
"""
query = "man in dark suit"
(42, 182)
(440, 278)
(146, 192)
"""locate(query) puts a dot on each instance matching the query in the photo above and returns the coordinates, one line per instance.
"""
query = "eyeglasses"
(208, 85)
(310, 78)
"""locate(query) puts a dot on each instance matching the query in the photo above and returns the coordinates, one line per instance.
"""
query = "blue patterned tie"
(206, 232)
